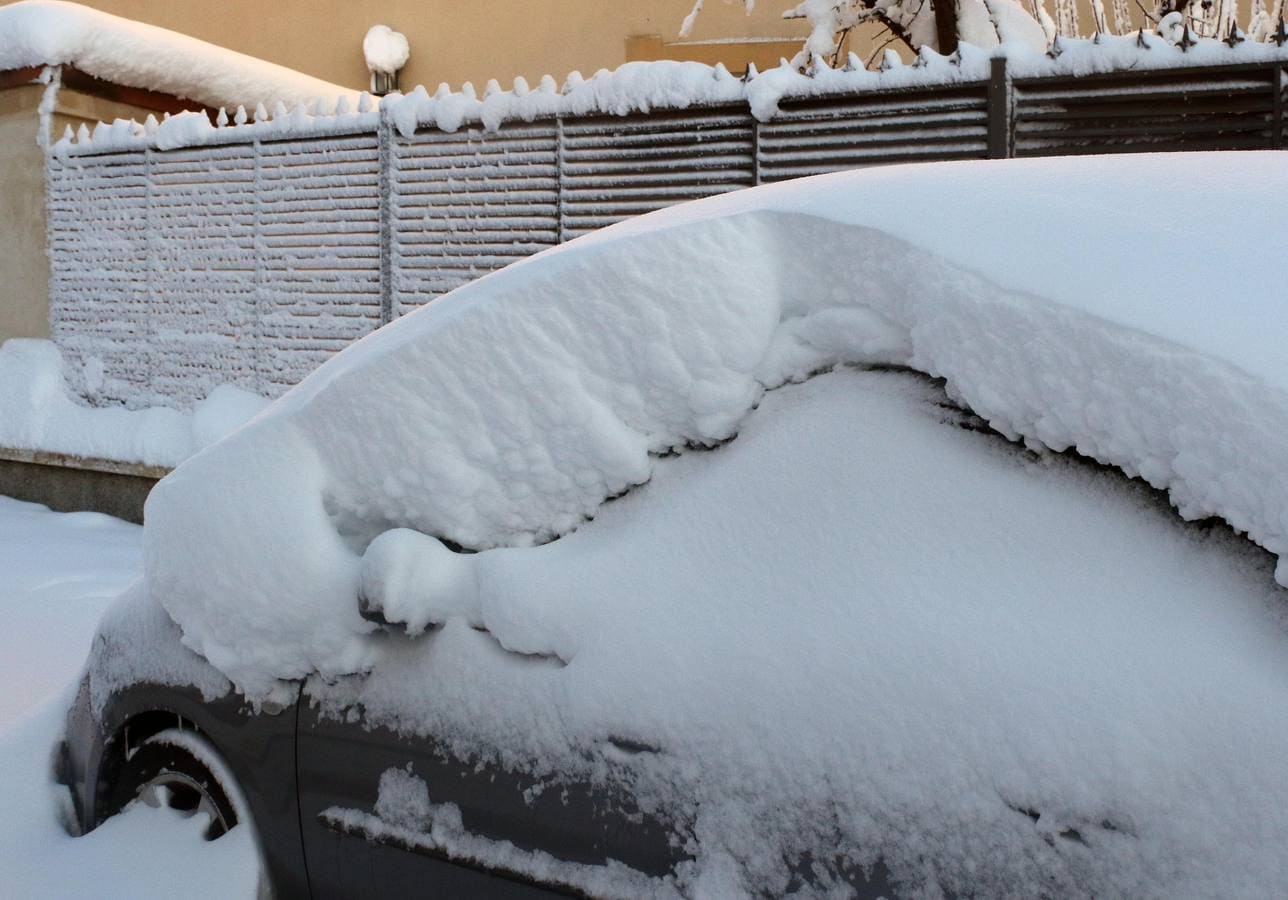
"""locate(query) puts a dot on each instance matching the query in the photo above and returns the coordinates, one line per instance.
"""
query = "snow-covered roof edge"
(667, 84)
(134, 54)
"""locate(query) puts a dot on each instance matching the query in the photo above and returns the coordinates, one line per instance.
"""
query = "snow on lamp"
(386, 51)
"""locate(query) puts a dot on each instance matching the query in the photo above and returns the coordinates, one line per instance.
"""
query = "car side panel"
(341, 763)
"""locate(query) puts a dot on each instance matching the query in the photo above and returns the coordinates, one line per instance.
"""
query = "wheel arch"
(123, 741)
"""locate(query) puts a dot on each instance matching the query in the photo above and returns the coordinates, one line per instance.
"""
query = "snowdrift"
(1044, 676)
(39, 412)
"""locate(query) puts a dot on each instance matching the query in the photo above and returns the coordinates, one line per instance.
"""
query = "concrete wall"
(69, 484)
(24, 268)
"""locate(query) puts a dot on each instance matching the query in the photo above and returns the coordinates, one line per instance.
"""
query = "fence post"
(260, 339)
(559, 187)
(1000, 121)
(1279, 81)
(151, 264)
(384, 143)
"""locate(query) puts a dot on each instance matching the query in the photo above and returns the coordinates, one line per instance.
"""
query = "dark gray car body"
(293, 764)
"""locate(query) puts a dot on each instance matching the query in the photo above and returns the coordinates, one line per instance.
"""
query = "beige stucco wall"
(24, 267)
(473, 41)
(74, 108)
(453, 41)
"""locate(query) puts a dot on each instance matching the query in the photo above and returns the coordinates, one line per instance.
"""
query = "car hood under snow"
(853, 626)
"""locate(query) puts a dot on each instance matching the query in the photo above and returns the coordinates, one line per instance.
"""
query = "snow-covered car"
(779, 543)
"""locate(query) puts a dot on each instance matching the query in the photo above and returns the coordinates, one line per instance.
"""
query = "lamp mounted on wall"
(386, 51)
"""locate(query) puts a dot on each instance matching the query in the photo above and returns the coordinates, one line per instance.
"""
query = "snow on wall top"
(134, 54)
(38, 412)
(668, 84)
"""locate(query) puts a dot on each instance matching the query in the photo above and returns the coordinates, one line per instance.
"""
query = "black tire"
(176, 768)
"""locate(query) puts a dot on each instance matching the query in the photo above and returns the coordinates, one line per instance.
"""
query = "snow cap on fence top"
(641, 87)
(134, 54)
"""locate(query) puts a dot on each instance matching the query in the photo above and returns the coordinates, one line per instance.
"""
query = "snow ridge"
(125, 52)
(38, 412)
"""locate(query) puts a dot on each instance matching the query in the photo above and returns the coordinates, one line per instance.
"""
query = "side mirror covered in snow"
(413, 581)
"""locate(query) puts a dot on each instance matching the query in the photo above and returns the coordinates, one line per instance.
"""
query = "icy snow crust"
(998, 640)
(48, 32)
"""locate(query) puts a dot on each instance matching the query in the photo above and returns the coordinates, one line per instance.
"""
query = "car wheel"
(177, 770)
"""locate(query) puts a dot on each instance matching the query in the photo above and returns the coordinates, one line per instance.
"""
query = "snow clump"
(385, 50)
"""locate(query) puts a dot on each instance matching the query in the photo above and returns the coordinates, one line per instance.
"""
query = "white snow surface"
(852, 612)
(58, 574)
(859, 628)
(134, 54)
(38, 412)
(385, 50)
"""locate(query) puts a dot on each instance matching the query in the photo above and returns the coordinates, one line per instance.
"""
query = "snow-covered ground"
(58, 572)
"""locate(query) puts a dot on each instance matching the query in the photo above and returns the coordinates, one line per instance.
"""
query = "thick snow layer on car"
(38, 412)
(859, 626)
(134, 54)
(872, 620)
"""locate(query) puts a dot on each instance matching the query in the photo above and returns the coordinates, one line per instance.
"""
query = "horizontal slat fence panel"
(173, 272)
(1147, 112)
(468, 203)
(201, 290)
(318, 246)
(615, 167)
(815, 136)
(251, 262)
(99, 312)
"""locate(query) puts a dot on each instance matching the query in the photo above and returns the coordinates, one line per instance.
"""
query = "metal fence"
(250, 263)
